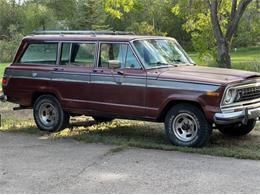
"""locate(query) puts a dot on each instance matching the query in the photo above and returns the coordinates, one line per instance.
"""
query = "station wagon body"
(117, 76)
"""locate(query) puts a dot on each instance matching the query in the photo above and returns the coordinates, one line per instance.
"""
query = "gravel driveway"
(31, 164)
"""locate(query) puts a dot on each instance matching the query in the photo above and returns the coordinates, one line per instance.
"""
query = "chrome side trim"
(138, 81)
(187, 81)
(180, 85)
(105, 103)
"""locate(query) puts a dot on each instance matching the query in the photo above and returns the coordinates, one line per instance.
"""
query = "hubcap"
(184, 127)
(48, 114)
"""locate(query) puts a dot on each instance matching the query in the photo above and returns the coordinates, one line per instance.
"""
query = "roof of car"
(80, 37)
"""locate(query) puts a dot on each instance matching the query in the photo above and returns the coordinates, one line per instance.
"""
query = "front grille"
(248, 93)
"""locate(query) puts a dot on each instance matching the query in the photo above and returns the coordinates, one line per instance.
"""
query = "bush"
(8, 46)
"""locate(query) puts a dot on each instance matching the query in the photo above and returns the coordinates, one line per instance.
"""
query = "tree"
(117, 8)
(248, 33)
(224, 39)
(212, 25)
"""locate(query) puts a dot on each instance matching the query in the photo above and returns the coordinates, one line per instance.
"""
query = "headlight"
(230, 96)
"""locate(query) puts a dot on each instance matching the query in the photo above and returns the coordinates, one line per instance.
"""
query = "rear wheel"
(237, 129)
(49, 115)
(186, 125)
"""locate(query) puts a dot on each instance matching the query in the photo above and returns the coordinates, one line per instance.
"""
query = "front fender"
(208, 104)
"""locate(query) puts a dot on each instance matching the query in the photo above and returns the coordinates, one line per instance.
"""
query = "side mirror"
(114, 64)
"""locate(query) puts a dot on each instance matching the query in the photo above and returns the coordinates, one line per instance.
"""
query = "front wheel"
(237, 129)
(49, 115)
(186, 125)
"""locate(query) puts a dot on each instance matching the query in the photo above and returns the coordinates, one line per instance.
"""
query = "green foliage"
(248, 33)
(9, 45)
(186, 20)
(144, 28)
(117, 8)
(242, 58)
(37, 17)
(198, 25)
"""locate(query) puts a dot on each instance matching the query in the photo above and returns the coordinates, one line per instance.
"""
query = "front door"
(118, 83)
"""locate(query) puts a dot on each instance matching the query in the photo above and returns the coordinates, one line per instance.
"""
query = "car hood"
(205, 74)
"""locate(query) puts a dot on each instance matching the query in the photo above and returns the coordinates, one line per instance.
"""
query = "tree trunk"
(224, 41)
(223, 57)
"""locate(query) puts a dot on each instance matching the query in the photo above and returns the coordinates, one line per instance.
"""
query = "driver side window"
(131, 61)
(117, 55)
(112, 55)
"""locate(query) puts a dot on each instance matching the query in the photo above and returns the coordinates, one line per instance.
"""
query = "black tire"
(102, 119)
(237, 129)
(49, 115)
(193, 123)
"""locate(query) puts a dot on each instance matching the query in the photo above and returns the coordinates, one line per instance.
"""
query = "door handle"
(120, 72)
(58, 69)
(97, 70)
(34, 74)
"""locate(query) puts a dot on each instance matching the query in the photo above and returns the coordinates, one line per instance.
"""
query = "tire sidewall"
(54, 102)
(237, 129)
(203, 128)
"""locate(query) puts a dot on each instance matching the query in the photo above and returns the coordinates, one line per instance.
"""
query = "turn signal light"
(4, 81)
(214, 94)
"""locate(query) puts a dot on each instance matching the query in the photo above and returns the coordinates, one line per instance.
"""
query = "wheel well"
(35, 96)
(173, 103)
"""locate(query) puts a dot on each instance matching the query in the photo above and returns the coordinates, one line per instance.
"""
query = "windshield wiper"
(183, 63)
(159, 63)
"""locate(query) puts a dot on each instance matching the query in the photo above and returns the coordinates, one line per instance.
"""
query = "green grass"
(125, 133)
(2, 68)
(243, 58)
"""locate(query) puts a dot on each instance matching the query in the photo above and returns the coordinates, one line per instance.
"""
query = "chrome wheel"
(48, 114)
(185, 127)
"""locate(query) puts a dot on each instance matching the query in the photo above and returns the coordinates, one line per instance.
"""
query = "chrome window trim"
(38, 42)
(58, 57)
(155, 38)
(70, 52)
(118, 42)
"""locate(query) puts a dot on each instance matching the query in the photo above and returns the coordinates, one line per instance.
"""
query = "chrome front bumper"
(237, 116)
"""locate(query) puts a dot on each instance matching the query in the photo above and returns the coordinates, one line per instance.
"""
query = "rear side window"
(40, 53)
(78, 54)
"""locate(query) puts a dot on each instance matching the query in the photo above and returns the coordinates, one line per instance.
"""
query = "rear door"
(71, 78)
(118, 83)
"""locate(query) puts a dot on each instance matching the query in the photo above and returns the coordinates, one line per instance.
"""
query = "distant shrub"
(8, 47)
(249, 66)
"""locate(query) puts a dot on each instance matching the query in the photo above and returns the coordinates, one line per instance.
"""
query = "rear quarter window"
(40, 53)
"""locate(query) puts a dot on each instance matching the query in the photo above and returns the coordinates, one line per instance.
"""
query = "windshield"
(156, 53)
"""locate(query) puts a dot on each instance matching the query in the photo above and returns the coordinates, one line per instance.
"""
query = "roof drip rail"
(80, 32)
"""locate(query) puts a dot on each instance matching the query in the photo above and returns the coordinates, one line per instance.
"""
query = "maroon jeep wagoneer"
(110, 75)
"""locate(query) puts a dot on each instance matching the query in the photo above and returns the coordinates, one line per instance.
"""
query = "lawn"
(126, 133)
(2, 68)
(242, 58)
